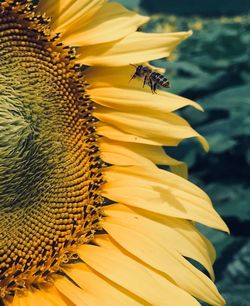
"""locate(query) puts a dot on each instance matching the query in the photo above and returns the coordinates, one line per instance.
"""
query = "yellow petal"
(135, 48)
(114, 264)
(115, 133)
(159, 127)
(125, 154)
(74, 293)
(124, 99)
(180, 169)
(181, 235)
(100, 28)
(65, 12)
(161, 192)
(122, 155)
(156, 154)
(112, 87)
(50, 8)
(161, 256)
(159, 178)
(128, 154)
(93, 284)
(15, 302)
(52, 296)
(21, 300)
(45, 296)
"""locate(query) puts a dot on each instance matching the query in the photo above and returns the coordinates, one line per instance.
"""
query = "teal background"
(213, 68)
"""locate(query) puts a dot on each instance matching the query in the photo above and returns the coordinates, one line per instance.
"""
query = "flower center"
(50, 172)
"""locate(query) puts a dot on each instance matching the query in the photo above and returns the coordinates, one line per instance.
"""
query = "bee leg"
(145, 80)
(155, 87)
(152, 84)
(133, 77)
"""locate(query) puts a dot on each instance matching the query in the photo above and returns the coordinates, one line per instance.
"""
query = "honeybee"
(150, 77)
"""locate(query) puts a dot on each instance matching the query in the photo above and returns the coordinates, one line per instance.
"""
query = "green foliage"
(131, 4)
(213, 68)
(235, 277)
(204, 7)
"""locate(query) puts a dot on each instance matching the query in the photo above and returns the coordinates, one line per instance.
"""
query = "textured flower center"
(49, 164)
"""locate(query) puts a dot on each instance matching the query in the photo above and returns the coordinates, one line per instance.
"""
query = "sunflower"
(87, 215)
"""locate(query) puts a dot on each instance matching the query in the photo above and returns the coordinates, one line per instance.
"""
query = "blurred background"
(213, 68)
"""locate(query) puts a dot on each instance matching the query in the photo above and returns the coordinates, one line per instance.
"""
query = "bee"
(150, 77)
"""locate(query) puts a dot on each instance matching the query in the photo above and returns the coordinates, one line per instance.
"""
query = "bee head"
(139, 70)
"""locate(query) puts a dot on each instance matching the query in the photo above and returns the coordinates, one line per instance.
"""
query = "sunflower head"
(49, 163)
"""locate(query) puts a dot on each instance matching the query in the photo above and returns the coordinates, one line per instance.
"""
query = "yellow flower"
(87, 218)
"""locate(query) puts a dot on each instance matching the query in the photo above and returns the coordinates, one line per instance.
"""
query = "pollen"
(50, 170)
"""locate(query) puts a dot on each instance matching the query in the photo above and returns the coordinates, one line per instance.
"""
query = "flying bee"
(150, 77)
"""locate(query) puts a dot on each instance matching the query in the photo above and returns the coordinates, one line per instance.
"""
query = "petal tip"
(204, 143)
(200, 108)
